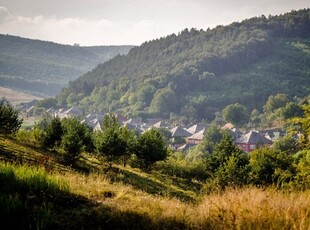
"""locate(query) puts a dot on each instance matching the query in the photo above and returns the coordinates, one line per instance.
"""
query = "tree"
(151, 148)
(255, 118)
(211, 138)
(9, 121)
(47, 103)
(110, 143)
(236, 114)
(286, 144)
(52, 134)
(292, 110)
(224, 150)
(129, 137)
(74, 139)
(304, 123)
(228, 163)
(113, 141)
(275, 102)
(302, 161)
(268, 166)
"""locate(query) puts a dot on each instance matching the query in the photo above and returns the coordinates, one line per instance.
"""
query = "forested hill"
(198, 72)
(45, 67)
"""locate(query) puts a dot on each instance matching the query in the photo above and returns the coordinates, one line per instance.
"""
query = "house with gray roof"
(196, 138)
(179, 132)
(252, 140)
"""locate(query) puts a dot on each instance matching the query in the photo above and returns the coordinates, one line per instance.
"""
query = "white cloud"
(106, 22)
(61, 30)
(4, 14)
(83, 31)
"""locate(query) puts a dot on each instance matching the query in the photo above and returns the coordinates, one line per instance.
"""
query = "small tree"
(131, 141)
(212, 137)
(111, 144)
(113, 141)
(9, 121)
(151, 148)
(52, 134)
(73, 139)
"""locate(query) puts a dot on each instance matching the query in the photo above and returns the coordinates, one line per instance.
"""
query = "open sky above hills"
(117, 22)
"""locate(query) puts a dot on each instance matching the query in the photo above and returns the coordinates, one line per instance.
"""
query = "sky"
(127, 22)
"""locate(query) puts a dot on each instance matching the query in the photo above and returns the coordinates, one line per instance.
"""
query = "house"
(252, 140)
(235, 134)
(196, 138)
(157, 125)
(72, 112)
(228, 126)
(121, 118)
(195, 128)
(179, 132)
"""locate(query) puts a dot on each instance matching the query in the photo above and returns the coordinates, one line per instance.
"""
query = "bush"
(178, 165)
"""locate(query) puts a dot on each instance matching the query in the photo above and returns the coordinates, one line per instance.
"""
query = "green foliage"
(74, 139)
(48, 103)
(292, 110)
(51, 135)
(287, 144)
(236, 114)
(269, 166)
(130, 139)
(179, 165)
(151, 147)
(9, 120)
(26, 136)
(111, 144)
(115, 142)
(302, 177)
(304, 123)
(212, 137)
(275, 102)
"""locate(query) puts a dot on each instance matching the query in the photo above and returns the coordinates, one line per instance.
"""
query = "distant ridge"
(43, 67)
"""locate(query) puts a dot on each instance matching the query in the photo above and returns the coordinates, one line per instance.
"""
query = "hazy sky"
(119, 22)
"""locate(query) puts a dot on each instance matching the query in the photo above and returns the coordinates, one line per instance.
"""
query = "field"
(41, 192)
(16, 97)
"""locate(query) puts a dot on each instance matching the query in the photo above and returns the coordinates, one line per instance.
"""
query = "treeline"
(35, 60)
(202, 71)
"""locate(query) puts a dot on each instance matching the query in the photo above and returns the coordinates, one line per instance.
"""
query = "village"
(181, 137)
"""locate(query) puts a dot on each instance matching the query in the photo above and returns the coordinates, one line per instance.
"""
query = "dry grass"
(247, 208)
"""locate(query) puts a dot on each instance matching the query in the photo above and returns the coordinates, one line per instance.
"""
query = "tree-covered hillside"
(45, 67)
(198, 72)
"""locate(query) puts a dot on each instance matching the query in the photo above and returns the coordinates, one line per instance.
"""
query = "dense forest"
(197, 73)
(43, 67)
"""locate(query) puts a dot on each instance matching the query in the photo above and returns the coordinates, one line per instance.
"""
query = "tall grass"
(120, 206)
(24, 196)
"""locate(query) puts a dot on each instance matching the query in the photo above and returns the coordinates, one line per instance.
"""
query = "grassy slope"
(127, 198)
(16, 97)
